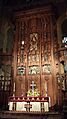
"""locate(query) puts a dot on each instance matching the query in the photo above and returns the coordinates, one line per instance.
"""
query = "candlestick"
(14, 87)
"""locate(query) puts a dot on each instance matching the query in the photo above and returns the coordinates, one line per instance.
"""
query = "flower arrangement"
(35, 93)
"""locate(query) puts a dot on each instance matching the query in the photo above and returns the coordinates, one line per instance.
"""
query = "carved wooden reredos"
(34, 52)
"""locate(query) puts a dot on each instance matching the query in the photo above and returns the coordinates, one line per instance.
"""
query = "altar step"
(30, 115)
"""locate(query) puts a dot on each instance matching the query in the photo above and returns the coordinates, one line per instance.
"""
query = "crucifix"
(33, 87)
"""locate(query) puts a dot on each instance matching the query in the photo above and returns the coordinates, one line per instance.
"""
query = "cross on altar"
(33, 87)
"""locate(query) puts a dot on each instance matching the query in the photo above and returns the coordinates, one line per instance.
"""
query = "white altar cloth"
(29, 104)
(35, 106)
(46, 106)
(20, 106)
(10, 106)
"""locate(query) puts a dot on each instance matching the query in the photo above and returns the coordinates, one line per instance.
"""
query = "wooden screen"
(33, 52)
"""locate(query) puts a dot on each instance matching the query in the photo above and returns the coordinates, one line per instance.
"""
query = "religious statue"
(33, 41)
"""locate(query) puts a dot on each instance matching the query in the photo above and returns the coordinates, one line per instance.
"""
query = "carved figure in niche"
(34, 70)
(46, 68)
(33, 41)
(65, 62)
(62, 67)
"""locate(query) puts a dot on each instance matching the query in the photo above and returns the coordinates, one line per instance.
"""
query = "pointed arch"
(8, 33)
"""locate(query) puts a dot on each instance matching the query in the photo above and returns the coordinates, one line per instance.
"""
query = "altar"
(32, 102)
(29, 104)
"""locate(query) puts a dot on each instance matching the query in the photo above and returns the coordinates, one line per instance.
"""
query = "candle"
(14, 86)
